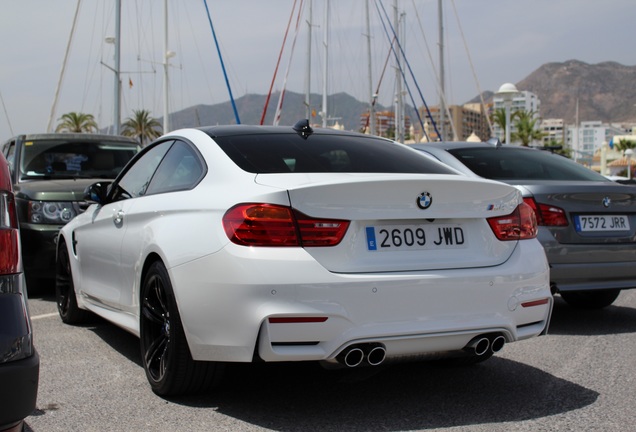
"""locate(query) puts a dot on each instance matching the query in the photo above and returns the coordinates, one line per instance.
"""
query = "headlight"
(49, 212)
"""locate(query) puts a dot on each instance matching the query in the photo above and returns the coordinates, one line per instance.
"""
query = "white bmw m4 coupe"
(260, 243)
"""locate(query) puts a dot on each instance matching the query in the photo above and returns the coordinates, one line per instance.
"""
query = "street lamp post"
(507, 92)
(628, 154)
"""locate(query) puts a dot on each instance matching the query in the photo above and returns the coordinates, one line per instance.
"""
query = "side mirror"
(97, 192)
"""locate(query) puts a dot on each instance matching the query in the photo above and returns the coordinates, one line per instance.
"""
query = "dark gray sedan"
(587, 223)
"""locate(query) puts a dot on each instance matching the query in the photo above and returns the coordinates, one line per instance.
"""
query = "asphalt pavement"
(580, 377)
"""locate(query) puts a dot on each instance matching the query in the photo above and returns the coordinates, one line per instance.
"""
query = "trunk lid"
(403, 222)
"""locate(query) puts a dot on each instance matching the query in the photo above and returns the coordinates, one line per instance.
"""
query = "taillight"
(9, 236)
(547, 215)
(275, 225)
(518, 225)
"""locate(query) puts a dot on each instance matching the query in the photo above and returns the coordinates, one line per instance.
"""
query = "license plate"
(601, 223)
(415, 237)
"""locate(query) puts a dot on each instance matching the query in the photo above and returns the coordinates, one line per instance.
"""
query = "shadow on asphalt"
(567, 320)
(410, 396)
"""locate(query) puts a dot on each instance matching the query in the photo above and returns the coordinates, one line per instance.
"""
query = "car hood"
(53, 190)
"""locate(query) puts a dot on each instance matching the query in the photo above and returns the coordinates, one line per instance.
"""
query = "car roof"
(231, 130)
(67, 136)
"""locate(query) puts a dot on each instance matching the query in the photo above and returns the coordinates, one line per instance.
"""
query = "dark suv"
(19, 361)
(49, 173)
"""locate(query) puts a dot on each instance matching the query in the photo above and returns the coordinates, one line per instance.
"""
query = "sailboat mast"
(399, 115)
(117, 103)
(325, 71)
(308, 76)
(371, 95)
(166, 86)
(442, 98)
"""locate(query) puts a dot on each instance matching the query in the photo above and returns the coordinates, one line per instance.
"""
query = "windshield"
(523, 164)
(64, 159)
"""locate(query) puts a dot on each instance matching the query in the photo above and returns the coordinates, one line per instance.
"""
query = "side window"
(180, 169)
(135, 181)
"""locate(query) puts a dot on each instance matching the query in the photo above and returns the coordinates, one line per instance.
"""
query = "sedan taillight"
(547, 215)
(9, 235)
(518, 225)
(275, 225)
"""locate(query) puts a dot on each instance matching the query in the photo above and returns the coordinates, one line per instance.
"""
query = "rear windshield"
(523, 164)
(64, 159)
(287, 153)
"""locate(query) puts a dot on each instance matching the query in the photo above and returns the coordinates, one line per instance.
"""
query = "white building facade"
(522, 101)
(588, 137)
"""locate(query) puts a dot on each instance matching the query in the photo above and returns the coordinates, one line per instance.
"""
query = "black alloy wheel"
(65, 290)
(165, 354)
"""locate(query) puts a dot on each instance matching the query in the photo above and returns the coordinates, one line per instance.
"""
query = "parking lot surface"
(581, 377)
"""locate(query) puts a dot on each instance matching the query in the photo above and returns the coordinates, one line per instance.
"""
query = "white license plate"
(415, 237)
(602, 223)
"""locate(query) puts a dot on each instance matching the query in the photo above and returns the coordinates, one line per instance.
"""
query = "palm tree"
(77, 122)
(499, 119)
(525, 128)
(624, 144)
(142, 126)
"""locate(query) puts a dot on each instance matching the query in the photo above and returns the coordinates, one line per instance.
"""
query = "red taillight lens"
(274, 225)
(547, 215)
(518, 225)
(9, 235)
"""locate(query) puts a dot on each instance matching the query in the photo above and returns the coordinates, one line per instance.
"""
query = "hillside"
(605, 92)
(342, 107)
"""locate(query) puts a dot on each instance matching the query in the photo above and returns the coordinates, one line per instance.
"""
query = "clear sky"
(486, 43)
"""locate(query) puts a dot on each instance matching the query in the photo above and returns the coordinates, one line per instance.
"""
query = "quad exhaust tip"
(356, 355)
(483, 344)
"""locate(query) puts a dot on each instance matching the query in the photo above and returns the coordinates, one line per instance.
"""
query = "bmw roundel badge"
(425, 200)
(607, 201)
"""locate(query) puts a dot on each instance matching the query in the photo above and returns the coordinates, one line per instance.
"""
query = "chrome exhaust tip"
(376, 355)
(497, 344)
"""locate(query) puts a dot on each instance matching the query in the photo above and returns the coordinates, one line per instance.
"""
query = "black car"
(587, 223)
(19, 361)
(49, 173)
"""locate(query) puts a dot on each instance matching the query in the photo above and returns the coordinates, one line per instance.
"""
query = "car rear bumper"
(297, 310)
(593, 276)
(18, 392)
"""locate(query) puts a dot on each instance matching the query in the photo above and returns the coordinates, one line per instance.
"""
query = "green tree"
(499, 119)
(76, 122)
(142, 126)
(525, 124)
(624, 144)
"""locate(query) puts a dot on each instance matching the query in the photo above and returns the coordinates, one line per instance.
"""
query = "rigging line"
(377, 90)
(227, 83)
(281, 97)
(410, 71)
(6, 114)
(280, 54)
(472, 68)
(437, 78)
(59, 82)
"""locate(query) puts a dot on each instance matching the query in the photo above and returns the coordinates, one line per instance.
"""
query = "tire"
(65, 296)
(590, 299)
(165, 354)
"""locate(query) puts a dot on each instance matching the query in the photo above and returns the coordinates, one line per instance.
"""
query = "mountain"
(345, 109)
(605, 91)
